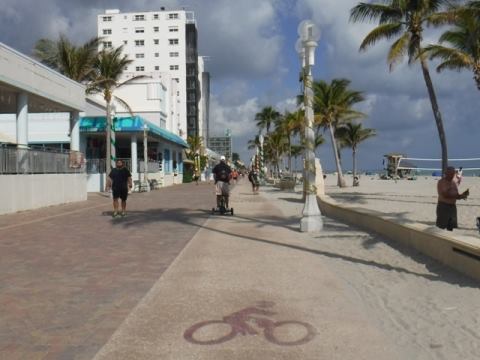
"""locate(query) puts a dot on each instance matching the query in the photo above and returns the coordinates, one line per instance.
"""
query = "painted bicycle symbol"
(284, 333)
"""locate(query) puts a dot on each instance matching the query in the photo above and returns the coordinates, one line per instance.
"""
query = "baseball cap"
(222, 158)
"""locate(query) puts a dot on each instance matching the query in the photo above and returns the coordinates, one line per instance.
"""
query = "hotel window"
(155, 41)
(125, 42)
(155, 16)
(176, 79)
(107, 44)
(173, 41)
(173, 67)
(107, 31)
(156, 29)
(173, 16)
(173, 29)
(139, 56)
(107, 18)
(139, 42)
(139, 30)
(139, 17)
(157, 54)
(174, 54)
(157, 67)
(140, 68)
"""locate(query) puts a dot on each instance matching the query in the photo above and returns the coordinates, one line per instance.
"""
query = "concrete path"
(248, 287)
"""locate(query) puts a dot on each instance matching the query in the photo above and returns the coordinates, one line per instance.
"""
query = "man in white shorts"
(222, 173)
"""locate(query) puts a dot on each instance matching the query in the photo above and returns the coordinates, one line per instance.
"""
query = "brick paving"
(70, 274)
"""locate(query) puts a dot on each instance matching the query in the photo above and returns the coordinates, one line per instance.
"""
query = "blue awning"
(97, 124)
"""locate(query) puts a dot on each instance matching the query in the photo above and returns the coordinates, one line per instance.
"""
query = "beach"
(426, 309)
(408, 200)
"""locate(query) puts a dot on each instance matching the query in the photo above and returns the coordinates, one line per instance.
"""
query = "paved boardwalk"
(172, 282)
(70, 274)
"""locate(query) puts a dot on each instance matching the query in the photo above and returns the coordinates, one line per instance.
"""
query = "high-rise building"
(163, 41)
(221, 144)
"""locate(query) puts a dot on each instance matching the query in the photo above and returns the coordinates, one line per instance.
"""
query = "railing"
(35, 161)
(97, 166)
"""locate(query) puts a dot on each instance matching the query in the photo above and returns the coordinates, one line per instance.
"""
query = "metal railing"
(36, 161)
(97, 166)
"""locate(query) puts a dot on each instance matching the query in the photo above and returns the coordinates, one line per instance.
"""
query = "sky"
(250, 46)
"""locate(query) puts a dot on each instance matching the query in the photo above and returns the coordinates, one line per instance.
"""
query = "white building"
(160, 42)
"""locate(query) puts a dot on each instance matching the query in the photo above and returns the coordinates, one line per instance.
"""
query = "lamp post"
(309, 35)
(145, 157)
(262, 166)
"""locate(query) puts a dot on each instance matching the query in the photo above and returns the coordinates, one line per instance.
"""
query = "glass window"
(155, 16)
(139, 42)
(139, 30)
(173, 67)
(107, 18)
(139, 17)
(157, 67)
(173, 29)
(140, 68)
(155, 41)
(107, 44)
(139, 56)
(156, 29)
(107, 31)
(173, 16)
(125, 42)
(173, 41)
(157, 54)
(174, 54)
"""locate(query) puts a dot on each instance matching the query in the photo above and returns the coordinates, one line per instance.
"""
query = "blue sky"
(253, 64)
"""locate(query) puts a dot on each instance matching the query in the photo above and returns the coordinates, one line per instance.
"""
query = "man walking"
(447, 198)
(120, 181)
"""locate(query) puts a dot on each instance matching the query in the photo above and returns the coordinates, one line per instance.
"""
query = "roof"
(95, 124)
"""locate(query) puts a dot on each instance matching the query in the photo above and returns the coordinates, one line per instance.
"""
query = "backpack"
(223, 175)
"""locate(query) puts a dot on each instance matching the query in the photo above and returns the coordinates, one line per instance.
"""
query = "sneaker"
(114, 215)
(123, 214)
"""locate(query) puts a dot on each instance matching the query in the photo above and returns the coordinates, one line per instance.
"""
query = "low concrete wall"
(461, 253)
(26, 192)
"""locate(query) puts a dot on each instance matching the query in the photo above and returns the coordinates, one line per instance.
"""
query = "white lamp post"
(309, 35)
(145, 157)
(262, 167)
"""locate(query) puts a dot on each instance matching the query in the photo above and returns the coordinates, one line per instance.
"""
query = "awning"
(97, 124)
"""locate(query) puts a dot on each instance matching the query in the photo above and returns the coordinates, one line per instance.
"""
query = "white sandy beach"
(428, 310)
(413, 200)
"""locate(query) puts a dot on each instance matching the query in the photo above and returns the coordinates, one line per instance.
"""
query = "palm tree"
(75, 62)
(266, 118)
(351, 135)
(333, 103)
(405, 21)
(108, 70)
(274, 147)
(464, 45)
(288, 125)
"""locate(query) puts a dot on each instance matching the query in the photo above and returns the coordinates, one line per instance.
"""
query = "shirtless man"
(447, 197)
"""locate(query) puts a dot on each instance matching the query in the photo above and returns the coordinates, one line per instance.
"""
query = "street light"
(309, 34)
(262, 167)
(145, 157)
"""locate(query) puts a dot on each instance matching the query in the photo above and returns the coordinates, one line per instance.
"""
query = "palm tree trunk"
(108, 128)
(436, 113)
(341, 180)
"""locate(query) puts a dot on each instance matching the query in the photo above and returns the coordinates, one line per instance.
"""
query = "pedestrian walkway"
(171, 281)
(247, 287)
(69, 275)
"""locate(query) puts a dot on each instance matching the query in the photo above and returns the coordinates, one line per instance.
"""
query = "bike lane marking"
(238, 324)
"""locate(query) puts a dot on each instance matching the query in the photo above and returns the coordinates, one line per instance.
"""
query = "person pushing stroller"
(222, 174)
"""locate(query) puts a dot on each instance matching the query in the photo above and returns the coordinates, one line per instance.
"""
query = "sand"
(428, 310)
(413, 200)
